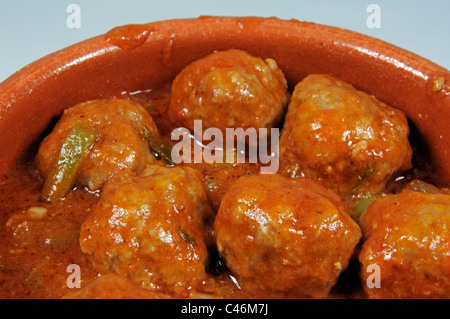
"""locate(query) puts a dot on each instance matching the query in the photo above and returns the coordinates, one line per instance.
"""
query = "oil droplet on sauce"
(128, 36)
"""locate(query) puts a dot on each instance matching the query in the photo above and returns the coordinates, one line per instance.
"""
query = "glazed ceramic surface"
(139, 57)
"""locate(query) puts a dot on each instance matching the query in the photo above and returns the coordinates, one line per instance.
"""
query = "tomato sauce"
(40, 240)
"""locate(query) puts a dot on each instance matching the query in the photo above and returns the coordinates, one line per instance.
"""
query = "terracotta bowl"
(137, 57)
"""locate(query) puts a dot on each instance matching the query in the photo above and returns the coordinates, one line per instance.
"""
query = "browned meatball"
(406, 252)
(343, 138)
(284, 237)
(112, 286)
(218, 177)
(150, 229)
(229, 89)
(120, 146)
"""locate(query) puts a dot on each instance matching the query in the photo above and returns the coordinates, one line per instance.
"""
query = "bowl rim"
(22, 116)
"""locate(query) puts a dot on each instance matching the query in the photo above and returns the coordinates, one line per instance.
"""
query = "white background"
(31, 29)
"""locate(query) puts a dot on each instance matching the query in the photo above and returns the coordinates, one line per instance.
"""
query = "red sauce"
(35, 251)
(129, 36)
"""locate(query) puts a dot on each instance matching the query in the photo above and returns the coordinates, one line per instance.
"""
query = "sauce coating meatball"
(407, 246)
(120, 146)
(284, 237)
(218, 177)
(151, 229)
(343, 138)
(229, 89)
(112, 286)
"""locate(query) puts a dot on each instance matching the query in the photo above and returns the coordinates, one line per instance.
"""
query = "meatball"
(406, 250)
(112, 286)
(218, 177)
(120, 146)
(151, 229)
(229, 89)
(343, 138)
(284, 237)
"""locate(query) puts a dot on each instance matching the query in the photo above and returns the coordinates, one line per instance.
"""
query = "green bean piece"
(164, 151)
(64, 170)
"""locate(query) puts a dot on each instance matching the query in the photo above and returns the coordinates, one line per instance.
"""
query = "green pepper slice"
(362, 178)
(64, 170)
(362, 204)
(164, 151)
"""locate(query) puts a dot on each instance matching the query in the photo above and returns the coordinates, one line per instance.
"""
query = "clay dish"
(139, 57)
